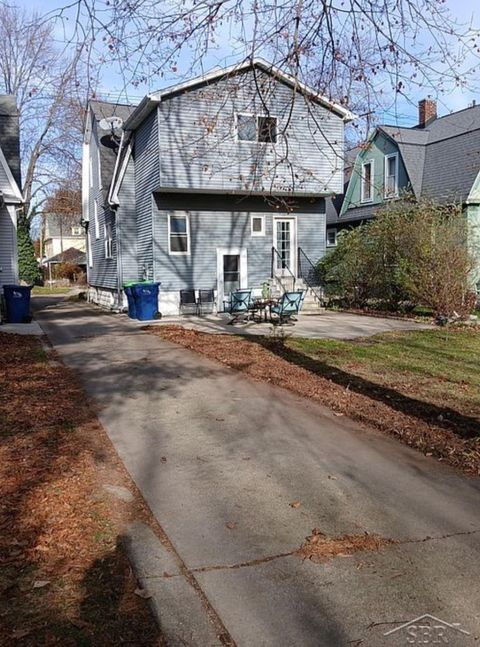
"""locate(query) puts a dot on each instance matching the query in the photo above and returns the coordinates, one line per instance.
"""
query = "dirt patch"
(320, 548)
(446, 435)
(64, 576)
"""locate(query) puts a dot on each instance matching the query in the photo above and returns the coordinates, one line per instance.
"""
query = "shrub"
(412, 253)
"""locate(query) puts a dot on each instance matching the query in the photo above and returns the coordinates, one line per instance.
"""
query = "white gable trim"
(16, 193)
(146, 105)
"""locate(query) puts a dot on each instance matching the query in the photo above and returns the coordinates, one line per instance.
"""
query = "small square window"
(331, 237)
(246, 128)
(258, 225)
(76, 230)
(267, 130)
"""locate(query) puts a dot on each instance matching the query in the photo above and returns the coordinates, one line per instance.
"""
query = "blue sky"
(402, 111)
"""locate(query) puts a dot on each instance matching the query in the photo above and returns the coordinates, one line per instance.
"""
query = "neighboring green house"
(437, 159)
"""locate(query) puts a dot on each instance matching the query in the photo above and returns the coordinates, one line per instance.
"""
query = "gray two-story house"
(10, 193)
(217, 183)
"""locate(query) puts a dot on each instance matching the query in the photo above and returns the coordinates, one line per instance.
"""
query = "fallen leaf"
(143, 593)
(164, 459)
(20, 633)
(230, 525)
(39, 584)
(334, 478)
(295, 504)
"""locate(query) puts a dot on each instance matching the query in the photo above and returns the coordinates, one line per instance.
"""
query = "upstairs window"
(107, 230)
(367, 181)
(179, 233)
(256, 128)
(76, 230)
(391, 175)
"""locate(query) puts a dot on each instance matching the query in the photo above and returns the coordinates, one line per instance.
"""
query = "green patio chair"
(240, 304)
(288, 306)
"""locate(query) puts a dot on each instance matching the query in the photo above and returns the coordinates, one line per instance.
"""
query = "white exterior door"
(285, 242)
(232, 273)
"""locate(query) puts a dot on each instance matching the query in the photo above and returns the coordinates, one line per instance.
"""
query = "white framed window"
(89, 245)
(95, 215)
(367, 181)
(257, 225)
(331, 238)
(178, 233)
(256, 128)
(107, 233)
(76, 230)
(391, 175)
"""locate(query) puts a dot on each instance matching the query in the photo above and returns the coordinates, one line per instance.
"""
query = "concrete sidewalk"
(219, 459)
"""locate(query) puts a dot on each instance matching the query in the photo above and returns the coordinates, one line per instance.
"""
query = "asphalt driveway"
(220, 459)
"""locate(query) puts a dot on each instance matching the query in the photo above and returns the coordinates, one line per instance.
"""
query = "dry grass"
(433, 426)
(64, 576)
(320, 548)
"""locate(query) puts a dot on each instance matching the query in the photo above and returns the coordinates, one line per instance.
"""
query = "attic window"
(367, 181)
(256, 128)
(391, 175)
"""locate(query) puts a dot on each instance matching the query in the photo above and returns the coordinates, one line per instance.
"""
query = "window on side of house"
(256, 128)
(367, 181)
(178, 233)
(76, 230)
(267, 130)
(257, 225)
(107, 230)
(89, 246)
(246, 128)
(331, 238)
(95, 215)
(391, 175)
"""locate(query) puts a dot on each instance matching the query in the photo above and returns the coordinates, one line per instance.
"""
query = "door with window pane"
(284, 240)
(231, 273)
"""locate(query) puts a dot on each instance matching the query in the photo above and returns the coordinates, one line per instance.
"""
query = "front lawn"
(64, 575)
(423, 387)
(433, 366)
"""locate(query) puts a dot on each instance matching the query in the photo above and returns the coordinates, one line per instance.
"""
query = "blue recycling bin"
(17, 303)
(132, 308)
(146, 300)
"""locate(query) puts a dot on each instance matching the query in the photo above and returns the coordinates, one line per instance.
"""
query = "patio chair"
(188, 302)
(240, 304)
(206, 300)
(288, 306)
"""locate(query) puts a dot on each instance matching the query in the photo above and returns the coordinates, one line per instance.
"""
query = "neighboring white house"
(10, 193)
(62, 233)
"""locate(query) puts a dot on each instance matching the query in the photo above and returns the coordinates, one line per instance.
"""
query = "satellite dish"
(110, 123)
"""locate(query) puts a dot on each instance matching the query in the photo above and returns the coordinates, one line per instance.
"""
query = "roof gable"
(151, 100)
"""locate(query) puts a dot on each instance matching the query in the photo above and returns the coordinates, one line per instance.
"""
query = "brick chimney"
(427, 112)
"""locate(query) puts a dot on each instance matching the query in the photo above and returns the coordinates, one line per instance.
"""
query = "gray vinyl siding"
(8, 248)
(199, 151)
(104, 271)
(146, 154)
(224, 221)
(126, 226)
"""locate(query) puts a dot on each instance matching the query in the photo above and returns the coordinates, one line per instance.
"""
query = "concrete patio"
(324, 325)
